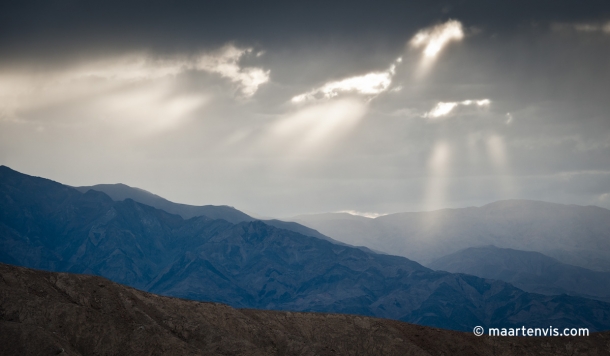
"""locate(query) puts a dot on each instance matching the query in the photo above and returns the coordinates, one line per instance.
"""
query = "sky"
(281, 108)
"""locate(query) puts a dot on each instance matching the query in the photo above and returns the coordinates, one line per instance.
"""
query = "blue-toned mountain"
(530, 271)
(573, 234)
(47, 225)
(120, 192)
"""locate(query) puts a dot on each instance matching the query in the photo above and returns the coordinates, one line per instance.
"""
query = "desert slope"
(44, 313)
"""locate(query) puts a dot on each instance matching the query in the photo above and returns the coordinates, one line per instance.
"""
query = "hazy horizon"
(281, 109)
(364, 214)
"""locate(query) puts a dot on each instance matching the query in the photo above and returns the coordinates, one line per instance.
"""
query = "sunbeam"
(433, 40)
(438, 176)
(314, 127)
(496, 150)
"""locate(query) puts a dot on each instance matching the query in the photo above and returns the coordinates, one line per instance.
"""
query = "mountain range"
(47, 225)
(120, 192)
(530, 271)
(572, 234)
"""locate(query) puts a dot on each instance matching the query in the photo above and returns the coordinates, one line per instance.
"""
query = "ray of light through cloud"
(437, 183)
(474, 140)
(320, 122)
(134, 88)
(433, 40)
(311, 119)
(149, 109)
(497, 152)
(142, 66)
(314, 126)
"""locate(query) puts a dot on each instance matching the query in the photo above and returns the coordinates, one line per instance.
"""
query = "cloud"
(135, 67)
(363, 214)
(434, 39)
(141, 66)
(583, 27)
(226, 63)
(445, 108)
(133, 89)
(368, 84)
(93, 106)
(441, 109)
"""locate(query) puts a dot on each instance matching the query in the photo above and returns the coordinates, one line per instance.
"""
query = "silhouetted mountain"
(530, 271)
(45, 313)
(120, 192)
(576, 235)
(44, 224)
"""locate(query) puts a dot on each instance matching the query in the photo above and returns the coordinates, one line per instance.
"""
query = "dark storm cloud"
(53, 27)
(194, 101)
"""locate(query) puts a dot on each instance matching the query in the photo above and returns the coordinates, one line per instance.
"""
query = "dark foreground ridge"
(46, 313)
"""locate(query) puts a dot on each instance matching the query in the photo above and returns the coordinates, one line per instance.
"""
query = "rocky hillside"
(44, 313)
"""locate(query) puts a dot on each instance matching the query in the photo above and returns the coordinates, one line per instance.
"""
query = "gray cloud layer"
(195, 102)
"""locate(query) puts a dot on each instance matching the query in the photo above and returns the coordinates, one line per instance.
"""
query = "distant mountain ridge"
(530, 271)
(47, 225)
(576, 235)
(120, 192)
